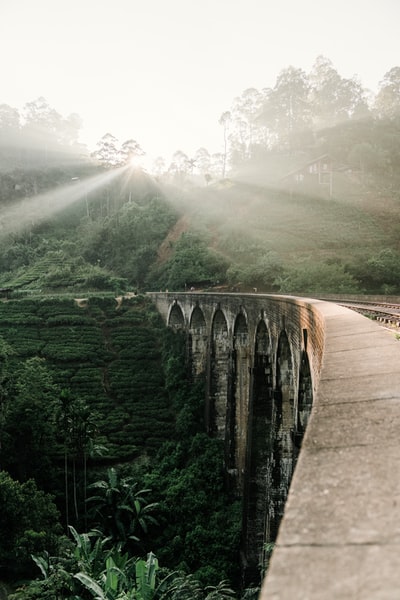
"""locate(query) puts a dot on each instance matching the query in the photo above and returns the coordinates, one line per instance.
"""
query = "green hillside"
(233, 233)
(295, 225)
(265, 234)
(107, 354)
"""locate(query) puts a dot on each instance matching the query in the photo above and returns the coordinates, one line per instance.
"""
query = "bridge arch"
(197, 321)
(282, 430)
(198, 341)
(241, 328)
(257, 483)
(219, 381)
(176, 316)
(220, 324)
(304, 400)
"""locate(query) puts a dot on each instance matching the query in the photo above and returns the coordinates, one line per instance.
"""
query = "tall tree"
(46, 133)
(29, 429)
(387, 102)
(77, 429)
(355, 98)
(335, 99)
(107, 151)
(288, 107)
(28, 523)
(159, 166)
(179, 167)
(325, 83)
(130, 151)
(5, 376)
(43, 124)
(9, 124)
(246, 128)
(203, 161)
(224, 121)
(69, 130)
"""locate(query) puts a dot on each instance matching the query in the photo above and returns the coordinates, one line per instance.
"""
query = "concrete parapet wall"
(340, 534)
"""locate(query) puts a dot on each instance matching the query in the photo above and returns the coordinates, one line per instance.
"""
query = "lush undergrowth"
(97, 409)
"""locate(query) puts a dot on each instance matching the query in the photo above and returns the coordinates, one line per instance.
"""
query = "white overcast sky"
(163, 71)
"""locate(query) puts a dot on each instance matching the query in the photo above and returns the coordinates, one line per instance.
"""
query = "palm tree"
(77, 424)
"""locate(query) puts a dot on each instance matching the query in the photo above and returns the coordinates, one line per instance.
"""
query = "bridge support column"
(239, 401)
(198, 343)
(219, 377)
(283, 431)
(259, 459)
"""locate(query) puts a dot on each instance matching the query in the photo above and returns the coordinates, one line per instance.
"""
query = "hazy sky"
(163, 71)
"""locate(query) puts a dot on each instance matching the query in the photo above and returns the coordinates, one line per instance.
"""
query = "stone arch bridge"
(274, 366)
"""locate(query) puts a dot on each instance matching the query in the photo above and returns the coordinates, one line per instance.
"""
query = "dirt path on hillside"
(166, 248)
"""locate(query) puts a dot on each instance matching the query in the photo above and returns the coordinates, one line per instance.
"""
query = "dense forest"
(109, 486)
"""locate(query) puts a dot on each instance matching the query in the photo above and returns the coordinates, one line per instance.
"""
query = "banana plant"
(117, 583)
(146, 572)
(43, 563)
(90, 551)
(121, 508)
(220, 592)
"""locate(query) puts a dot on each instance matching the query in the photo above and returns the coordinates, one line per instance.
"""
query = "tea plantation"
(107, 354)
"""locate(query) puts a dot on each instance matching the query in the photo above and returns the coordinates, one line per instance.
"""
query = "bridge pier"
(250, 349)
(339, 536)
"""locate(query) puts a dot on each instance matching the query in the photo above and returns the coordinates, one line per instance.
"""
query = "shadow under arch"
(219, 369)
(197, 320)
(238, 402)
(259, 457)
(283, 425)
(176, 318)
(304, 401)
(198, 345)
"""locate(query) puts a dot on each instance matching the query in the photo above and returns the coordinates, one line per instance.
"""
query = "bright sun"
(140, 162)
(135, 161)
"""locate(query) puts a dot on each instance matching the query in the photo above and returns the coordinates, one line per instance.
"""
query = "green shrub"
(29, 523)
(309, 277)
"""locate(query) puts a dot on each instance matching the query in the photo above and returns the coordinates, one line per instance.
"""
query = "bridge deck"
(340, 535)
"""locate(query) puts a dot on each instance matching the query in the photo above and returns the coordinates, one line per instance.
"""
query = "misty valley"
(110, 485)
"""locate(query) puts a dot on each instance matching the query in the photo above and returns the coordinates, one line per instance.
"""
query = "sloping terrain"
(135, 244)
(107, 354)
(243, 216)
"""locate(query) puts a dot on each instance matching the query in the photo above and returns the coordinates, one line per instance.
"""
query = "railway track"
(387, 314)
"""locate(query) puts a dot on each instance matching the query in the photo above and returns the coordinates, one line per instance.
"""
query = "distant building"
(318, 173)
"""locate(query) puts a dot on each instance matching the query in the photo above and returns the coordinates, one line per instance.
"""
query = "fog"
(164, 72)
(28, 212)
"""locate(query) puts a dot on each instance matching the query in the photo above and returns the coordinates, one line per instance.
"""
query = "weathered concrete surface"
(340, 534)
(261, 357)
